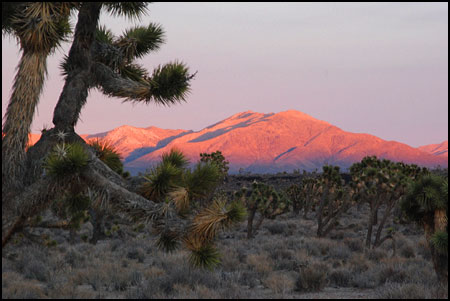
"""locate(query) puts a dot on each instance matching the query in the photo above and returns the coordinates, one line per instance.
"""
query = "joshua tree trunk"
(28, 85)
(250, 218)
(440, 260)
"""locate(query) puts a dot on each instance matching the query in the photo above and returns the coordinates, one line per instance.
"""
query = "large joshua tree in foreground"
(39, 27)
(99, 60)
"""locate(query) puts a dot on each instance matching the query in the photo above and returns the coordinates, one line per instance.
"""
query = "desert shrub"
(359, 264)
(36, 270)
(423, 249)
(136, 253)
(287, 264)
(279, 283)
(376, 254)
(277, 228)
(249, 278)
(235, 292)
(407, 251)
(182, 274)
(280, 252)
(261, 263)
(403, 291)
(341, 252)
(355, 245)
(380, 274)
(340, 277)
(312, 278)
(23, 290)
(75, 259)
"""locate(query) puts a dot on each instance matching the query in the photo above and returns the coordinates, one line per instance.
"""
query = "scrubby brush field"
(285, 259)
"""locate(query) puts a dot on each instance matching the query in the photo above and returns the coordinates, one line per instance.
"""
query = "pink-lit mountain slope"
(284, 141)
(440, 149)
(132, 142)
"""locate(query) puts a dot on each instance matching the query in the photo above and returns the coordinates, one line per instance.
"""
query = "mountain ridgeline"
(266, 143)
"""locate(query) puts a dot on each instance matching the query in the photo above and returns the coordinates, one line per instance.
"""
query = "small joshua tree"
(303, 195)
(427, 204)
(182, 189)
(262, 199)
(218, 159)
(333, 200)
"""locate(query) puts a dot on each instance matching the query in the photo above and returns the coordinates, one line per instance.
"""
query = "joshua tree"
(427, 204)
(39, 27)
(96, 59)
(218, 159)
(303, 196)
(173, 184)
(262, 199)
(333, 200)
(381, 183)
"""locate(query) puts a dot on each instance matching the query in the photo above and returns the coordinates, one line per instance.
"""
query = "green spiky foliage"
(202, 180)
(72, 207)
(176, 158)
(381, 183)
(40, 27)
(218, 216)
(160, 181)
(183, 190)
(166, 85)
(106, 152)
(427, 204)
(264, 200)
(132, 10)
(218, 159)
(66, 160)
(203, 254)
(333, 198)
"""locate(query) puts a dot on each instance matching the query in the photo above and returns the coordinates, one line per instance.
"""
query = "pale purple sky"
(377, 68)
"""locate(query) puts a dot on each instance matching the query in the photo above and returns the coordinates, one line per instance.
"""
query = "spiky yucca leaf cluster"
(203, 253)
(168, 241)
(39, 26)
(440, 241)
(425, 196)
(160, 181)
(219, 216)
(66, 159)
(132, 10)
(176, 158)
(107, 153)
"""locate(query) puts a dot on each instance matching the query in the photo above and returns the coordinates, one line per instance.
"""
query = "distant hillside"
(267, 143)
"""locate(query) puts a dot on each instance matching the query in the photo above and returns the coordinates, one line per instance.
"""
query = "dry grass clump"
(312, 278)
(261, 263)
(279, 283)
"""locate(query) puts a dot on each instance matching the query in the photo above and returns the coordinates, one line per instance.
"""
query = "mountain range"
(265, 143)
